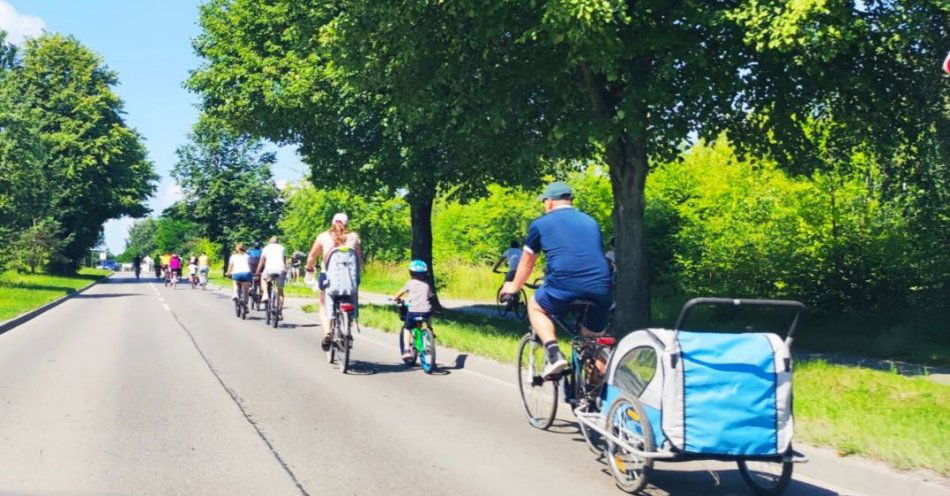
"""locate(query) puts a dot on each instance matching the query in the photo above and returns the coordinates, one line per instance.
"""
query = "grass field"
(903, 421)
(20, 293)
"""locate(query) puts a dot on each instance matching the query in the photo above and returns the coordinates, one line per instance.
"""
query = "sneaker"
(554, 369)
(234, 298)
(406, 357)
(326, 343)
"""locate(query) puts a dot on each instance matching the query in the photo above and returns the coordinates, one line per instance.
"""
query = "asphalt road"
(133, 388)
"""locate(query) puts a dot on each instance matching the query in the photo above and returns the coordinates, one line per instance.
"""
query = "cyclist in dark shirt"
(576, 270)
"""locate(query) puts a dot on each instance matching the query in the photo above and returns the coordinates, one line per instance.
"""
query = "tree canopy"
(65, 150)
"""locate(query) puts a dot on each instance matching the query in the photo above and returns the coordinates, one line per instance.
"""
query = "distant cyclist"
(512, 256)
(576, 270)
(137, 265)
(254, 258)
(203, 268)
(337, 235)
(158, 266)
(174, 265)
(272, 267)
(193, 269)
(165, 259)
(418, 293)
(239, 269)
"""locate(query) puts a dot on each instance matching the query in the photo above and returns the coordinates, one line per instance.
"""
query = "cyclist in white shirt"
(273, 268)
(240, 270)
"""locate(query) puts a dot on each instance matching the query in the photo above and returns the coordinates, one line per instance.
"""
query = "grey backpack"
(342, 269)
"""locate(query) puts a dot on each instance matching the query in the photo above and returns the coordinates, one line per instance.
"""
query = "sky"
(148, 44)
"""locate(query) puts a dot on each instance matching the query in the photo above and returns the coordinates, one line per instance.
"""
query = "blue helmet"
(418, 266)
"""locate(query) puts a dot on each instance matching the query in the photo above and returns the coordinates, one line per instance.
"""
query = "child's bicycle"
(423, 340)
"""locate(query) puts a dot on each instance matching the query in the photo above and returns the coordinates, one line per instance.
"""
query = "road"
(132, 388)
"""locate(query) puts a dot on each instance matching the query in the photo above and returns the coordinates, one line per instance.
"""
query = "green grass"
(883, 415)
(455, 280)
(904, 421)
(20, 293)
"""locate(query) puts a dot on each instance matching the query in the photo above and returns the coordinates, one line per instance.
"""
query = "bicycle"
(583, 380)
(341, 332)
(203, 278)
(255, 293)
(422, 339)
(240, 303)
(138, 271)
(518, 305)
(272, 307)
(193, 279)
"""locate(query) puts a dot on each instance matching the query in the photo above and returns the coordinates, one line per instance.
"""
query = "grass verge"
(901, 420)
(20, 293)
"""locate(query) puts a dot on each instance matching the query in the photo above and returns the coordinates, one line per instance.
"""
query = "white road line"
(165, 305)
(161, 299)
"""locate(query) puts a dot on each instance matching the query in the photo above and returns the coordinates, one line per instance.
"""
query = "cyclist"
(193, 269)
(295, 265)
(512, 255)
(419, 295)
(203, 267)
(166, 259)
(254, 259)
(576, 270)
(336, 235)
(137, 265)
(273, 268)
(239, 269)
(174, 264)
(158, 266)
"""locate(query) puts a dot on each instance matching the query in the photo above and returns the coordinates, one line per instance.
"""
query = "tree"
(227, 188)
(314, 89)
(633, 81)
(141, 240)
(77, 161)
(38, 245)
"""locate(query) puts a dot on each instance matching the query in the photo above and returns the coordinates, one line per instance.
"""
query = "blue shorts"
(412, 316)
(510, 276)
(241, 276)
(557, 302)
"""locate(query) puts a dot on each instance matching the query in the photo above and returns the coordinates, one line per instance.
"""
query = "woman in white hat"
(336, 235)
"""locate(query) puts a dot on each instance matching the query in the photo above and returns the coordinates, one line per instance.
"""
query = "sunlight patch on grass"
(20, 293)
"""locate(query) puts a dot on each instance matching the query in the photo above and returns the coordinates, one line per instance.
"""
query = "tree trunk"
(225, 255)
(626, 156)
(628, 173)
(420, 211)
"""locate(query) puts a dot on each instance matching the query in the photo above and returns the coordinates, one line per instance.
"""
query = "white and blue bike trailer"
(678, 395)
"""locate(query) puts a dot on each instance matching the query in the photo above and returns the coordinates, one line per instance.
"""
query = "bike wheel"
(267, 312)
(502, 306)
(766, 478)
(275, 308)
(628, 421)
(237, 307)
(405, 334)
(342, 340)
(538, 396)
(331, 352)
(586, 391)
(521, 309)
(427, 353)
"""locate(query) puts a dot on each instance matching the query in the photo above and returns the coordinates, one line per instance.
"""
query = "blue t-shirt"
(253, 258)
(570, 240)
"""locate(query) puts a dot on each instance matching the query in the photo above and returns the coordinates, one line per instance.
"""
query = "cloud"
(281, 183)
(19, 26)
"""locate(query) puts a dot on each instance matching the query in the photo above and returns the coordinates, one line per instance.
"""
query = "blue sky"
(148, 44)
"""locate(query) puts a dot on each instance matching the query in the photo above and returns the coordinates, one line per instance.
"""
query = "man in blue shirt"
(576, 270)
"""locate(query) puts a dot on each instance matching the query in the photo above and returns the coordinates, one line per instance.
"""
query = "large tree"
(227, 187)
(72, 157)
(279, 70)
(634, 80)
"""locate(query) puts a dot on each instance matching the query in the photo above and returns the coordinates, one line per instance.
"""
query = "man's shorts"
(203, 269)
(557, 302)
(510, 276)
(241, 277)
(280, 276)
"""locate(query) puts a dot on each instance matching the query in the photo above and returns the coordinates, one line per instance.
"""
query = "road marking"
(161, 299)
(165, 305)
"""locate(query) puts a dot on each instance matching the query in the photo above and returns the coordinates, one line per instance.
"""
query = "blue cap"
(557, 190)
(418, 266)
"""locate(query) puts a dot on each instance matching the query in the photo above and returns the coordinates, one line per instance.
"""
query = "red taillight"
(606, 341)
(346, 307)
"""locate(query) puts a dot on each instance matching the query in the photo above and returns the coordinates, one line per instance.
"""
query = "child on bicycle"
(418, 294)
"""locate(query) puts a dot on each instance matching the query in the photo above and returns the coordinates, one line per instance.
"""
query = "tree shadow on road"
(106, 295)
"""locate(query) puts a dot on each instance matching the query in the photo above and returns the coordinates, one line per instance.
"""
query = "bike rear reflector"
(606, 341)
(346, 307)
